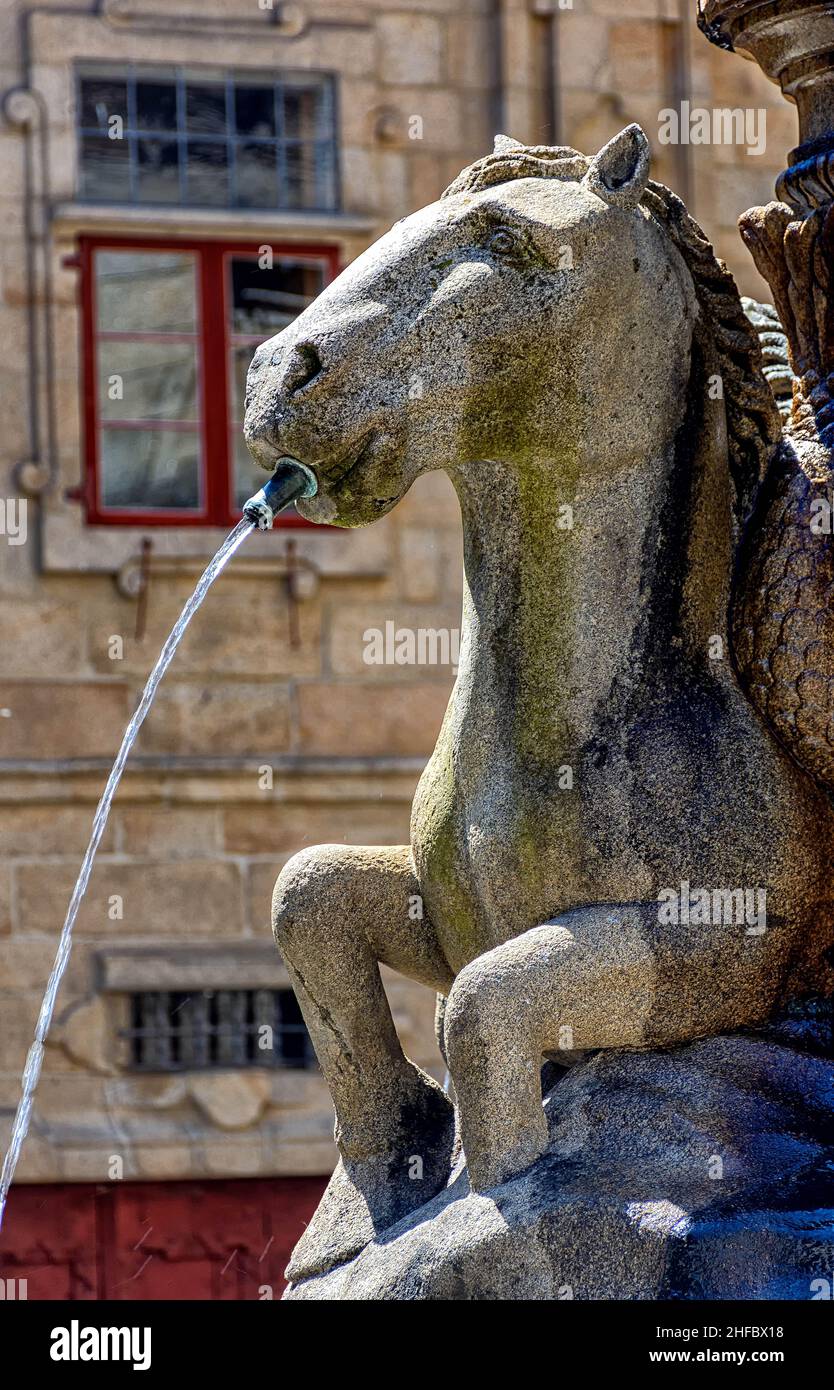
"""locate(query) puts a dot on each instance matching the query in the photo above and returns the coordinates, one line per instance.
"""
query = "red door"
(165, 1240)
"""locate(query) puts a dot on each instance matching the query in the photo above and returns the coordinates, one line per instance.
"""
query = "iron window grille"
(205, 137)
(215, 1030)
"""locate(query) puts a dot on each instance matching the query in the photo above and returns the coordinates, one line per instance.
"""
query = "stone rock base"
(705, 1172)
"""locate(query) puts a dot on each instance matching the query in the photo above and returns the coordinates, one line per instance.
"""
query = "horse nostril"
(305, 365)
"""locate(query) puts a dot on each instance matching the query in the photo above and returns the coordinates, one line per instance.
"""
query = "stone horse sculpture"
(558, 336)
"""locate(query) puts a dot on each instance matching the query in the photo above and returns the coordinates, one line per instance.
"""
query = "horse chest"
(491, 858)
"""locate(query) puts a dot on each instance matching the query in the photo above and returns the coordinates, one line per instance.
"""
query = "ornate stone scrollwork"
(792, 240)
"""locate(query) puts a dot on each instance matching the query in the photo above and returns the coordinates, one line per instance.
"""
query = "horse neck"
(563, 627)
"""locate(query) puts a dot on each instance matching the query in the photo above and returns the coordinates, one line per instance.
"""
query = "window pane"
(205, 107)
(101, 98)
(254, 110)
(149, 468)
(264, 1015)
(146, 381)
(242, 354)
(105, 168)
(156, 105)
(303, 110)
(326, 193)
(256, 176)
(231, 1021)
(296, 1049)
(248, 477)
(209, 137)
(146, 292)
(154, 1021)
(265, 300)
(310, 182)
(208, 176)
(158, 179)
(193, 1031)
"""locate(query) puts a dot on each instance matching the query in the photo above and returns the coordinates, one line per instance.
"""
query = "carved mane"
(753, 421)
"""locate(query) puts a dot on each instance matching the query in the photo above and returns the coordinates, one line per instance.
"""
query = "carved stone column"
(792, 241)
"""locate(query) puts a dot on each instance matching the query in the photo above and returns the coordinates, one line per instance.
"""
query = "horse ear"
(620, 172)
(505, 143)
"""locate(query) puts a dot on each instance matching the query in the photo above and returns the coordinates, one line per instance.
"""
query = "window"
(169, 331)
(216, 1029)
(207, 138)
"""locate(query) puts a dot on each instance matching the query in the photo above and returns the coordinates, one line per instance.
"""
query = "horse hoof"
(365, 1198)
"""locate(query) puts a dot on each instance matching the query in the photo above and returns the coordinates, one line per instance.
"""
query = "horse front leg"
(338, 911)
(597, 977)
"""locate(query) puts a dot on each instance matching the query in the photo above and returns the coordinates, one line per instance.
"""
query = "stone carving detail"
(808, 182)
(784, 605)
(566, 321)
(784, 608)
(793, 253)
(775, 357)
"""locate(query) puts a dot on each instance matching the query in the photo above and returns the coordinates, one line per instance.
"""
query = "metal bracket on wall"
(298, 576)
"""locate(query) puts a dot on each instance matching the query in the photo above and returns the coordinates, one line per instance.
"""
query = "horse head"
(539, 310)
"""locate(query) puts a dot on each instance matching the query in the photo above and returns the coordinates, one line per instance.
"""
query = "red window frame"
(213, 334)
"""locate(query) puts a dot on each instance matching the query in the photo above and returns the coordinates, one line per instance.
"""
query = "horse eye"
(502, 241)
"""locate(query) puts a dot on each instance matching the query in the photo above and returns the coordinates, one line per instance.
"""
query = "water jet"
(289, 480)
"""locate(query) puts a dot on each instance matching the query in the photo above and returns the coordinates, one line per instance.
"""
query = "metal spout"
(290, 480)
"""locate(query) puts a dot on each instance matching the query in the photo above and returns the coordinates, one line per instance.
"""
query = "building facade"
(177, 182)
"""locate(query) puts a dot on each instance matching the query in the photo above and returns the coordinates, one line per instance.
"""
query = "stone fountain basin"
(703, 1172)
